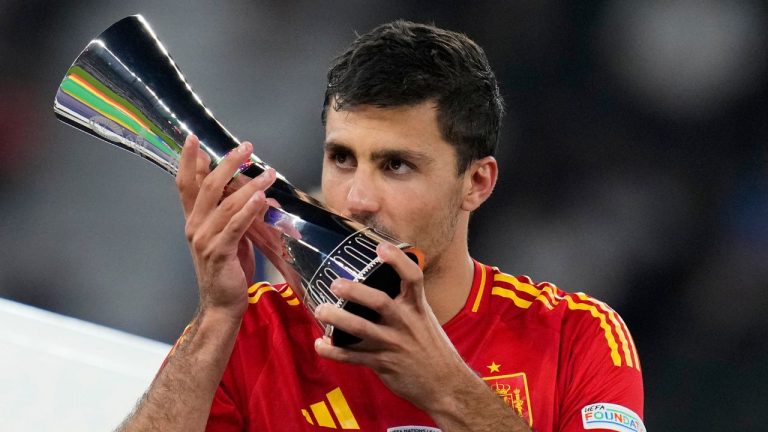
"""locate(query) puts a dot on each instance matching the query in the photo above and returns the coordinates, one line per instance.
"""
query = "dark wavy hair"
(404, 63)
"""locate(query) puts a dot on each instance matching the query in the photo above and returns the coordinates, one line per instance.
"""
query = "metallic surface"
(125, 88)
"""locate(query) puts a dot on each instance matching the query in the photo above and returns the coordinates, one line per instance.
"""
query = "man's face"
(389, 168)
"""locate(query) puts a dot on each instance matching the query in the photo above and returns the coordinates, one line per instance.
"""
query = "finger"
(411, 276)
(325, 349)
(185, 177)
(203, 167)
(212, 188)
(254, 207)
(273, 203)
(259, 183)
(247, 258)
(371, 298)
(350, 323)
(235, 202)
(235, 184)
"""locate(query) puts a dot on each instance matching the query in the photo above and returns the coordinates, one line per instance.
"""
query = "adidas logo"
(338, 417)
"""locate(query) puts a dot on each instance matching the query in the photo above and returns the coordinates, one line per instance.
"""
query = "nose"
(363, 197)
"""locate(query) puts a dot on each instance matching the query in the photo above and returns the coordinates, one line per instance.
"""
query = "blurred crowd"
(633, 167)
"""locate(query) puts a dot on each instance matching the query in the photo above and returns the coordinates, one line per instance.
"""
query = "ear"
(479, 181)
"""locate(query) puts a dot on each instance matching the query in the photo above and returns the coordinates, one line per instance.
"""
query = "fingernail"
(384, 248)
(336, 284)
(318, 342)
(244, 147)
(319, 308)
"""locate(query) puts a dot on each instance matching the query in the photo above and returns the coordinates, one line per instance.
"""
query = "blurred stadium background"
(633, 167)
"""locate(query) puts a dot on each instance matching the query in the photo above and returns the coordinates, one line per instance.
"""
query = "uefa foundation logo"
(611, 417)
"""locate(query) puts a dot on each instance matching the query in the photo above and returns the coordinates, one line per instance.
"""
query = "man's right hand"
(216, 224)
(180, 397)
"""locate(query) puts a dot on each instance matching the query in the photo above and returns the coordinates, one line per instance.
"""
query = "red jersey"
(563, 362)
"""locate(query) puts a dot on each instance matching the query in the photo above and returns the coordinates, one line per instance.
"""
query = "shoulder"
(518, 296)
(596, 356)
(268, 303)
(273, 320)
(274, 317)
(265, 289)
(580, 319)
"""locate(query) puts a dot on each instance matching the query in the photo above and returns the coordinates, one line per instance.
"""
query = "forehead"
(369, 128)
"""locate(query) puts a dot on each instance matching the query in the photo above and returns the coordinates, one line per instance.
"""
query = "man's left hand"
(407, 347)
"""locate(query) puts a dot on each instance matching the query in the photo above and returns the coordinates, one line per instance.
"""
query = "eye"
(398, 166)
(342, 159)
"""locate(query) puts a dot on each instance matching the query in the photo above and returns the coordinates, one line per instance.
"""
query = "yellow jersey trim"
(480, 288)
(622, 351)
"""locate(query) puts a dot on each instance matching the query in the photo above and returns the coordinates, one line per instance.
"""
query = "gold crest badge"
(513, 390)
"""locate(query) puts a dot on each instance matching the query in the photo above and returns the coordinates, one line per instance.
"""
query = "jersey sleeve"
(252, 350)
(601, 385)
(224, 415)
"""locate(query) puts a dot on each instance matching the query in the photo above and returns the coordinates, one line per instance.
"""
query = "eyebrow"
(333, 147)
(386, 154)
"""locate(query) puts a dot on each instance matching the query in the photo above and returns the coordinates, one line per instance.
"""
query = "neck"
(448, 283)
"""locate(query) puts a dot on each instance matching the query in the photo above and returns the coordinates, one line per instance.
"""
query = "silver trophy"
(125, 89)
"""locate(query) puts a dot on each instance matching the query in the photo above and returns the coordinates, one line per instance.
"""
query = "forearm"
(470, 405)
(180, 397)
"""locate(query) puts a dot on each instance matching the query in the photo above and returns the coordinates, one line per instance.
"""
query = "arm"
(412, 355)
(181, 394)
(179, 398)
(598, 390)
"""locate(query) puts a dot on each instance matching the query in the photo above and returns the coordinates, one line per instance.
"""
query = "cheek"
(415, 211)
(333, 190)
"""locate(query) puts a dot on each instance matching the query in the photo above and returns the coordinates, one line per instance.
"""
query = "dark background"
(633, 167)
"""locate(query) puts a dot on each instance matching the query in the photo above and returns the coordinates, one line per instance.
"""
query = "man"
(412, 116)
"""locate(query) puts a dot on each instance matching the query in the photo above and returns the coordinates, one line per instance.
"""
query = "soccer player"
(412, 115)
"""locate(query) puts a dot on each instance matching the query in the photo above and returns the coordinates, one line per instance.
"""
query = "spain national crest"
(513, 390)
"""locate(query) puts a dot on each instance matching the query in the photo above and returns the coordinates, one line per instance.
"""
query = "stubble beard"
(435, 245)
(438, 243)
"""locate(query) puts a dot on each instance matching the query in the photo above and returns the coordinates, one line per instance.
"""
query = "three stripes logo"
(339, 416)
